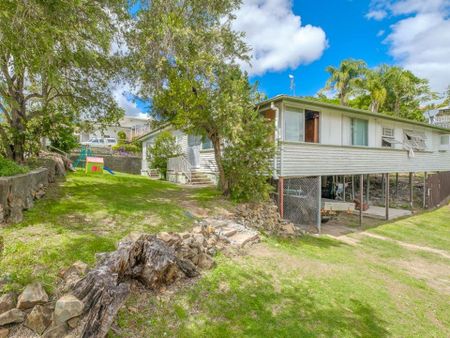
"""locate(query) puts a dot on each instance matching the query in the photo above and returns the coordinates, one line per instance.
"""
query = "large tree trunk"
(105, 288)
(223, 182)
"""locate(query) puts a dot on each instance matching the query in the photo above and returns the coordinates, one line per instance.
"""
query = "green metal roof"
(349, 110)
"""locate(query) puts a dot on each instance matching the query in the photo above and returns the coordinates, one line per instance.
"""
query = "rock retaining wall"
(18, 193)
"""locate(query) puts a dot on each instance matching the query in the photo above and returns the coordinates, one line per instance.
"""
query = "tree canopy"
(386, 89)
(55, 59)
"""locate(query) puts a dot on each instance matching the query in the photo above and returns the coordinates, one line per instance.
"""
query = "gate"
(438, 188)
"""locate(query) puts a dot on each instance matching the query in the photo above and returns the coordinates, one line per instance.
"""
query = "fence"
(301, 200)
(438, 186)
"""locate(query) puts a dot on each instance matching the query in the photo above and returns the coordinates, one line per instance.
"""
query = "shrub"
(247, 160)
(11, 168)
(165, 146)
(124, 146)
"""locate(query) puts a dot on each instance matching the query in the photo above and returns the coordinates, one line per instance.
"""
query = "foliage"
(124, 146)
(386, 89)
(193, 77)
(343, 80)
(164, 147)
(56, 59)
(10, 168)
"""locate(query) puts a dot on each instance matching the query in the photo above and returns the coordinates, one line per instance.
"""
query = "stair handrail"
(57, 150)
(180, 164)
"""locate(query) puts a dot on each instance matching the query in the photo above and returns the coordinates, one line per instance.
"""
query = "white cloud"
(121, 94)
(375, 14)
(420, 41)
(380, 32)
(277, 37)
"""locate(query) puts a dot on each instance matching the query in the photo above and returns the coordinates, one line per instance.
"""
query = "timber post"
(411, 191)
(425, 175)
(386, 202)
(361, 198)
(281, 196)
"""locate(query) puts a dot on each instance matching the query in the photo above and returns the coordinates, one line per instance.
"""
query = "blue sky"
(303, 37)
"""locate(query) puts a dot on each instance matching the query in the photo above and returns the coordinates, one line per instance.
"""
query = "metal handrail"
(180, 164)
(57, 150)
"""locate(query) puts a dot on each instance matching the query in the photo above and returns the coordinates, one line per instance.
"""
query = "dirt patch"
(436, 275)
(264, 254)
(409, 245)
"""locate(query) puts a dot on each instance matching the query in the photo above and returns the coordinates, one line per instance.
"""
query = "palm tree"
(373, 84)
(345, 78)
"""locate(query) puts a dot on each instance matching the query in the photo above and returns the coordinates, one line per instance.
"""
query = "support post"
(396, 186)
(386, 202)
(353, 187)
(281, 196)
(425, 190)
(144, 163)
(361, 198)
(411, 191)
(382, 187)
(367, 188)
(319, 201)
(343, 179)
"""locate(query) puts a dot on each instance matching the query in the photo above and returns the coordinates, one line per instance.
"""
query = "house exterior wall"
(335, 154)
(207, 160)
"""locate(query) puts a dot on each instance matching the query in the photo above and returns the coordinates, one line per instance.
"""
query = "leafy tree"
(185, 53)
(124, 146)
(55, 59)
(345, 78)
(165, 147)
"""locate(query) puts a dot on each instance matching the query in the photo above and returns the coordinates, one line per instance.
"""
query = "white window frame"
(352, 133)
(388, 136)
(299, 111)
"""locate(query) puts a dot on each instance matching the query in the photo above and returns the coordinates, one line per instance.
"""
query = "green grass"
(314, 286)
(10, 168)
(308, 287)
(86, 215)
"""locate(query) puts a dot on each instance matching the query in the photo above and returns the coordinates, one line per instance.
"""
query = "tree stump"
(105, 288)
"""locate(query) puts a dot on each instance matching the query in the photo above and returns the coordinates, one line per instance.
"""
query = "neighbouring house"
(439, 117)
(318, 141)
(133, 126)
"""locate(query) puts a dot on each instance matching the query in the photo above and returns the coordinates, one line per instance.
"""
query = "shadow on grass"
(250, 303)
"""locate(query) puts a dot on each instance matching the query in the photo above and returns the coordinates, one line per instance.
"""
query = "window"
(387, 139)
(444, 140)
(293, 126)
(194, 140)
(360, 132)
(414, 140)
(206, 144)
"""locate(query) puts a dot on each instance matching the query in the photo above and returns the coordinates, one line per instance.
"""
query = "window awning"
(391, 140)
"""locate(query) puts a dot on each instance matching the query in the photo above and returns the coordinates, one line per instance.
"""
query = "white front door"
(194, 145)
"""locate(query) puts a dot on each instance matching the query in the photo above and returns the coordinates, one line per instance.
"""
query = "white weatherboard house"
(316, 140)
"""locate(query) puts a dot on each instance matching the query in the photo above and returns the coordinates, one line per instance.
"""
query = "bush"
(247, 160)
(11, 168)
(124, 146)
(165, 146)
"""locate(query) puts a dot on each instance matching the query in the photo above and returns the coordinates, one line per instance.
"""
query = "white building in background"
(133, 127)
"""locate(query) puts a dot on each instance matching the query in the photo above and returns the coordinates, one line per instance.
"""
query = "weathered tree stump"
(105, 288)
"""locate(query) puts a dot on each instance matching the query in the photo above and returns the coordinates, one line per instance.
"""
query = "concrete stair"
(236, 234)
(198, 178)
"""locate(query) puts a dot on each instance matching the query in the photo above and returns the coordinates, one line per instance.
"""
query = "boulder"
(56, 331)
(4, 332)
(67, 307)
(12, 316)
(73, 322)
(288, 229)
(7, 302)
(39, 319)
(205, 262)
(33, 294)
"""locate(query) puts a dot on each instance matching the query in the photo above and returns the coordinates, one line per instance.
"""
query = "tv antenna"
(292, 85)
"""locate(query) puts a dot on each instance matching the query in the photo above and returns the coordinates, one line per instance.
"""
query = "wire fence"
(301, 200)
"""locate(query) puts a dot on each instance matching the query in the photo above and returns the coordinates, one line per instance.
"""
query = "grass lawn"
(89, 214)
(312, 287)
(306, 287)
